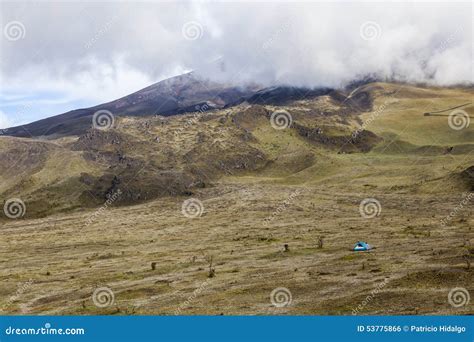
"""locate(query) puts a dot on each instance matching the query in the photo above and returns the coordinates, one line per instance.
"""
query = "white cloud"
(101, 51)
(97, 81)
(4, 121)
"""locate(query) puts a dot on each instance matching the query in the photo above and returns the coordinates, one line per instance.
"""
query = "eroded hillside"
(154, 156)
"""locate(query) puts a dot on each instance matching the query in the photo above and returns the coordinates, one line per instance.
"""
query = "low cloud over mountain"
(90, 50)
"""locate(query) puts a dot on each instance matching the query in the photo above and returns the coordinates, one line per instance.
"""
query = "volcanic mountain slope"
(154, 156)
(175, 95)
(181, 94)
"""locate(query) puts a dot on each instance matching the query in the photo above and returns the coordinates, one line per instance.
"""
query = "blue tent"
(361, 246)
